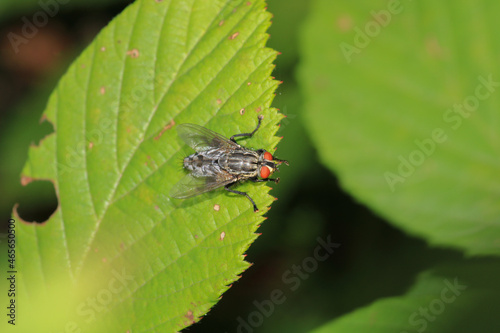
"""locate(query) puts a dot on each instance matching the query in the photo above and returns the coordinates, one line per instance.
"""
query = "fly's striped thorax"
(240, 161)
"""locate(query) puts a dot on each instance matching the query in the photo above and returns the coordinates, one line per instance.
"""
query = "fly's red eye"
(268, 156)
(264, 171)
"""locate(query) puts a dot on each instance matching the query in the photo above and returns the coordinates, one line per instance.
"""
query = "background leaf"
(384, 87)
(130, 257)
(452, 298)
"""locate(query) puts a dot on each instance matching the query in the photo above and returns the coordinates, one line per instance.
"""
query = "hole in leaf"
(37, 202)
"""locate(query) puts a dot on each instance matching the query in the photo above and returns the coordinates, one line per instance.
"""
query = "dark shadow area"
(30, 208)
(373, 260)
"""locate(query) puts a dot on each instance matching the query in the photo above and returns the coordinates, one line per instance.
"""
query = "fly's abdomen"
(240, 162)
(195, 161)
(202, 165)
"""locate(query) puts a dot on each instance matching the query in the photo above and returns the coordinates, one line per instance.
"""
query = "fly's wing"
(189, 186)
(200, 138)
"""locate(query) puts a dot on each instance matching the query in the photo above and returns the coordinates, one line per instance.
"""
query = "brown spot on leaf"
(189, 315)
(242, 111)
(258, 109)
(222, 235)
(433, 47)
(221, 23)
(344, 23)
(233, 36)
(25, 180)
(216, 207)
(165, 128)
(134, 53)
(102, 90)
(103, 49)
(219, 101)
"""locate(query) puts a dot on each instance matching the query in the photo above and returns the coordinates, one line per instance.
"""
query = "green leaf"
(454, 298)
(384, 84)
(119, 254)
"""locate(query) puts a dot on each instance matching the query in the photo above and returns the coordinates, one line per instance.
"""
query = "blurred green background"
(374, 258)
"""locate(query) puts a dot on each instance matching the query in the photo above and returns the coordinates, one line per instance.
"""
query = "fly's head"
(268, 164)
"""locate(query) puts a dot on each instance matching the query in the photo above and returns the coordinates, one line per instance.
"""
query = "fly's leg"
(280, 161)
(255, 209)
(248, 134)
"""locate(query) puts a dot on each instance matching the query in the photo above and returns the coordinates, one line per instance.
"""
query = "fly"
(221, 162)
